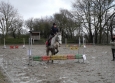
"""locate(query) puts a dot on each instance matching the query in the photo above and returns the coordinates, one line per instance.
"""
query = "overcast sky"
(39, 8)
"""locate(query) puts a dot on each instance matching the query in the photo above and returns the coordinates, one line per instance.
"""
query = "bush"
(9, 41)
(70, 40)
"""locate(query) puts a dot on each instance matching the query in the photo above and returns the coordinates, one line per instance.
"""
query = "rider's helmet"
(54, 23)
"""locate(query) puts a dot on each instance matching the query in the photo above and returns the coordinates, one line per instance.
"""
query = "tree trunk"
(13, 34)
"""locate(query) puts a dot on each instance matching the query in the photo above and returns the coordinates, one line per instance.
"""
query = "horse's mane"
(53, 40)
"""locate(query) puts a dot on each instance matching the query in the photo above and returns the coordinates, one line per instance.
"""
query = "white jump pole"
(4, 44)
(79, 46)
(29, 51)
(84, 56)
(24, 42)
(30, 44)
(79, 42)
(83, 44)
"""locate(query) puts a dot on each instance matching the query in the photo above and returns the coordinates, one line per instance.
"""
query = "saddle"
(48, 42)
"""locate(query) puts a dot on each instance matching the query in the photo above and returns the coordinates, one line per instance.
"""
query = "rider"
(54, 30)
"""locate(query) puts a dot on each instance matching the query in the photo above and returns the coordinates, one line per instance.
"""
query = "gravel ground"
(98, 68)
(3, 78)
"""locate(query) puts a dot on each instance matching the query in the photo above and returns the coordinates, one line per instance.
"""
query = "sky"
(39, 8)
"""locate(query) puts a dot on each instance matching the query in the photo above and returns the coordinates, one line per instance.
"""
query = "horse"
(53, 47)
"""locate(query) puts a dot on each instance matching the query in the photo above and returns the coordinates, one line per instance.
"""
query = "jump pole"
(84, 47)
(83, 54)
(24, 43)
(4, 44)
(83, 44)
(29, 50)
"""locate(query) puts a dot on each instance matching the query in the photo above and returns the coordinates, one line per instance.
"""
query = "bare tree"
(94, 14)
(83, 10)
(8, 14)
(102, 8)
(16, 27)
(29, 24)
(2, 26)
(67, 24)
(42, 25)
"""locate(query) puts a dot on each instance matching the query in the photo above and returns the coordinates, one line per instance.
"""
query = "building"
(35, 35)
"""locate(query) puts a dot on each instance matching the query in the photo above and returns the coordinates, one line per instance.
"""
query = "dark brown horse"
(53, 48)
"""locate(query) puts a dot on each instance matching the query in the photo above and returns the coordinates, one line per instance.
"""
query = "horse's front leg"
(53, 53)
(56, 50)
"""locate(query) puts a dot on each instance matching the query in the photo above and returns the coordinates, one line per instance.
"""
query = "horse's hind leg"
(52, 60)
(47, 52)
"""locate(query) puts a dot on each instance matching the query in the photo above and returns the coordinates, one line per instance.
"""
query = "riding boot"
(49, 40)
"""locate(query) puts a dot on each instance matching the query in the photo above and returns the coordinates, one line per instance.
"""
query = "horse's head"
(59, 38)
